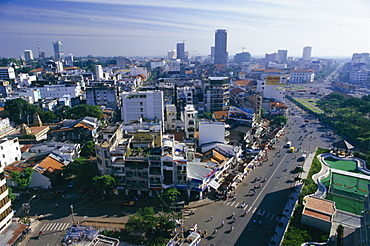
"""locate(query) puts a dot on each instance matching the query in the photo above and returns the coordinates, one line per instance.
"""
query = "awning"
(214, 184)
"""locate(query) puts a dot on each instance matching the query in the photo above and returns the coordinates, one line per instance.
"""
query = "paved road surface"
(269, 201)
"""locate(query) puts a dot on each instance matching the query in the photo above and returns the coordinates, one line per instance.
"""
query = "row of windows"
(3, 188)
(4, 201)
(5, 213)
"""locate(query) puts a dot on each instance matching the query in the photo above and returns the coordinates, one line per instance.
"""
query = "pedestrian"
(212, 217)
(223, 223)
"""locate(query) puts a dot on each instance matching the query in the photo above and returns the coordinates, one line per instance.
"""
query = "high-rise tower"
(221, 47)
(58, 50)
(283, 55)
(307, 53)
(180, 48)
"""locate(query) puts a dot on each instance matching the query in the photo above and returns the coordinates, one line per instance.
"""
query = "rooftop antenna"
(243, 48)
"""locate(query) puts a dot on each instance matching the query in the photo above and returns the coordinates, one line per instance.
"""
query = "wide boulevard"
(265, 206)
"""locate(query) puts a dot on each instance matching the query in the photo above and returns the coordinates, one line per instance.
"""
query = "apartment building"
(107, 96)
(216, 93)
(302, 76)
(7, 73)
(6, 211)
(142, 104)
(58, 91)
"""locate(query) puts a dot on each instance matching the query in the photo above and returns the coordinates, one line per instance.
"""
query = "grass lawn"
(346, 203)
(349, 166)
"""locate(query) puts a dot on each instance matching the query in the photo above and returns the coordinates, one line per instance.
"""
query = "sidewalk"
(324, 172)
(200, 203)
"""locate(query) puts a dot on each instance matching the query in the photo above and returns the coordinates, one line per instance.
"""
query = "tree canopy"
(83, 172)
(103, 182)
(83, 110)
(88, 149)
(279, 120)
(349, 116)
(19, 111)
(23, 179)
(151, 229)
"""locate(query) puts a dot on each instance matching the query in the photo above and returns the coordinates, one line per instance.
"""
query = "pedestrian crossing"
(253, 210)
(54, 227)
(74, 196)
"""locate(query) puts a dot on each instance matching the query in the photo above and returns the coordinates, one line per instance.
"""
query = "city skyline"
(151, 28)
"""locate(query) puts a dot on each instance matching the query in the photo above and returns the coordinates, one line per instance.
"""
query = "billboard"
(275, 80)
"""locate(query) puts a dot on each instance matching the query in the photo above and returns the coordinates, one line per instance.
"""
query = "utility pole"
(73, 219)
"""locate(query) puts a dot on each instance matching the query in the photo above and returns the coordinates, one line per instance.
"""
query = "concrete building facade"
(142, 104)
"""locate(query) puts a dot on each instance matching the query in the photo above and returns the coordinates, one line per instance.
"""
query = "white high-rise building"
(142, 105)
(171, 54)
(99, 72)
(58, 66)
(7, 73)
(190, 119)
(307, 53)
(28, 55)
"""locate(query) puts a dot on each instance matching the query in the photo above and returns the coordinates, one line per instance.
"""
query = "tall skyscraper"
(283, 55)
(307, 53)
(180, 47)
(221, 54)
(28, 55)
(58, 50)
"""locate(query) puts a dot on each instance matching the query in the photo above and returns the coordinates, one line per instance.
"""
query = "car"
(306, 120)
(71, 184)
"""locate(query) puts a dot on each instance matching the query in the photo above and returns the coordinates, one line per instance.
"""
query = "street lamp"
(73, 220)
(27, 206)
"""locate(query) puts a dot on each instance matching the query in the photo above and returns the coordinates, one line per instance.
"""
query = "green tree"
(82, 170)
(23, 70)
(103, 182)
(88, 149)
(19, 111)
(85, 110)
(170, 195)
(11, 195)
(279, 121)
(23, 179)
(151, 229)
(8, 62)
(47, 116)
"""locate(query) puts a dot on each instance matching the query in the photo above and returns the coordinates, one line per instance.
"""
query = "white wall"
(211, 132)
(39, 180)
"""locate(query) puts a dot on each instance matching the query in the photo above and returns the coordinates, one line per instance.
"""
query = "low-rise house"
(318, 213)
(278, 108)
(83, 129)
(47, 167)
(68, 151)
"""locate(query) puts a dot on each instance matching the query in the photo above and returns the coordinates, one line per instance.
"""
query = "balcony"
(118, 164)
(119, 174)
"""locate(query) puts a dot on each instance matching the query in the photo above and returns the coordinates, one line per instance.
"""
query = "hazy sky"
(334, 28)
